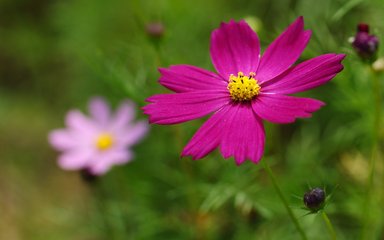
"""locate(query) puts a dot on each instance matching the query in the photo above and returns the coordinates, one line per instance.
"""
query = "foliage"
(55, 55)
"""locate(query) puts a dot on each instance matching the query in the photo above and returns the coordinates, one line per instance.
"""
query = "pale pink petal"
(235, 48)
(99, 110)
(62, 139)
(208, 137)
(133, 134)
(106, 160)
(181, 107)
(306, 75)
(185, 78)
(124, 115)
(100, 168)
(122, 156)
(283, 51)
(244, 136)
(284, 109)
(76, 160)
(78, 122)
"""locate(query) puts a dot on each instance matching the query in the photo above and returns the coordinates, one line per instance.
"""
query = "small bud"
(366, 45)
(314, 199)
(155, 29)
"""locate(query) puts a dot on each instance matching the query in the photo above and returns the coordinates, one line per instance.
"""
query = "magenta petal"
(306, 75)
(283, 51)
(208, 137)
(181, 107)
(185, 78)
(99, 110)
(235, 48)
(244, 136)
(284, 109)
(76, 159)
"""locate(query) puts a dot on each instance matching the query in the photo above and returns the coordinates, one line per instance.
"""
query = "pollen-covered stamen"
(104, 141)
(243, 88)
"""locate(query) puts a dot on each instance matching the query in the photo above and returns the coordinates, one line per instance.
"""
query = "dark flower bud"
(366, 45)
(155, 29)
(314, 199)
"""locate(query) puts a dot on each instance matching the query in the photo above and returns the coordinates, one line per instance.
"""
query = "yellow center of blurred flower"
(104, 141)
(243, 88)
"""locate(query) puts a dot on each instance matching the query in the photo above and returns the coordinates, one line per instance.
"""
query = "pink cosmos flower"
(246, 89)
(98, 142)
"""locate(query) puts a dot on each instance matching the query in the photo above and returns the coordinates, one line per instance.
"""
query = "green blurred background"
(55, 55)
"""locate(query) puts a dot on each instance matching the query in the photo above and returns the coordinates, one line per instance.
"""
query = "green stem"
(329, 225)
(367, 216)
(377, 123)
(282, 198)
(103, 214)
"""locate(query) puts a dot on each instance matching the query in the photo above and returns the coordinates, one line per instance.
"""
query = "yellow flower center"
(243, 88)
(104, 141)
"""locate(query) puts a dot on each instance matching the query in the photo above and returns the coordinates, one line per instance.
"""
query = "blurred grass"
(55, 55)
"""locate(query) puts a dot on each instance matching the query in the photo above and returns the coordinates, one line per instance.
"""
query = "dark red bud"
(363, 27)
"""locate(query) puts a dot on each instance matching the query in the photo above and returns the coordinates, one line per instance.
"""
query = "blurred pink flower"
(98, 142)
(246, 89)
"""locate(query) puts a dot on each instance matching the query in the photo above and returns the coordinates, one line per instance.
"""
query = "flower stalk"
(329, 225)
(375, 153)
(284, 201)
(99, 199)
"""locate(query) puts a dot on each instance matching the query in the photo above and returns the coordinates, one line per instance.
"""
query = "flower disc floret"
(243, 88)
(104, 141)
